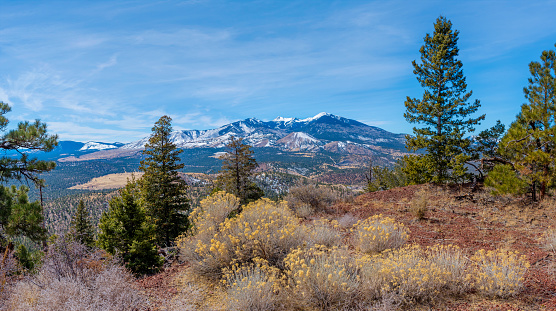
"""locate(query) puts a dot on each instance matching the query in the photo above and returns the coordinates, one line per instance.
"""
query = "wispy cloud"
(121, 65)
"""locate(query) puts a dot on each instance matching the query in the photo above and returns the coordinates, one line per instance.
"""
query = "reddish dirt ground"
(476, 221)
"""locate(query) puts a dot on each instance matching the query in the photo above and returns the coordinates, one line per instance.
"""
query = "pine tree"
(238, 165)
(81, 227)
(164, 192)
(18, 216)
(443, 111)
(530, 143)
(127, 230)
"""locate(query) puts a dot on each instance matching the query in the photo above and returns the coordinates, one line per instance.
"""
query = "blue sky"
(107, 70)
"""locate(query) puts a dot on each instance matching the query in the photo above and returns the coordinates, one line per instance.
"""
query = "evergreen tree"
(127, 230)
(238, 165)
(164, 192)
(530, 143)
(81, 227)
(18, 216)
(443, 111)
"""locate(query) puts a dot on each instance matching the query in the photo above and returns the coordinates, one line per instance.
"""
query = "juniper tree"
(81, 227)
(238, 165)
(18, 216)
(163, 190)
(530, 143)
(127, 230)
(444, 112)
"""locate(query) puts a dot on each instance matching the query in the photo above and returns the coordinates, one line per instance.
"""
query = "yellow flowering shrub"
(254, 286)
(498, 273)
(408, 272)
(264, 229)
(205, 252)
(322, 278)
(213, 210)
(377, 233)
(451, 260)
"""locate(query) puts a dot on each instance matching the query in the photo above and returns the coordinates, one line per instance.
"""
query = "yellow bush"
(253, 287)
(377, 233)
(213, 211)
(408, 272)
(498, 273)
(451, 260)
(264, 229)
(323, 278)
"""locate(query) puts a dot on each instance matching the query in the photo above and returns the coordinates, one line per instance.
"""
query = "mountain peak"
(318, 116)
(281, 119)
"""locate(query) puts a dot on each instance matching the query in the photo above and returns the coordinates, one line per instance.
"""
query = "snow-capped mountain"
(291, 134)
(94, 145)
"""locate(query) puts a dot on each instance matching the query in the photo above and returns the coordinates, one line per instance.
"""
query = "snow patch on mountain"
(93, 145)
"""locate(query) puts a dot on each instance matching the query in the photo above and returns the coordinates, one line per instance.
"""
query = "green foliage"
(505, 180)
(530, 143)
(383, 178)
(163, 190)
(443, 111)
(81, 227)
(27, 260)
(238, 165)
(18, 216)
(487, 147)
(128, 231)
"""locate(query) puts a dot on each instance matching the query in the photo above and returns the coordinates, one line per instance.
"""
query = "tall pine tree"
(127, 230)
(444, 111)
(164, 192)
(81, 227)
(530, 143)
(238, 165)
(18, 216)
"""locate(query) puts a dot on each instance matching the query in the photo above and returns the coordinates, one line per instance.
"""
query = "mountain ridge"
(322, 133)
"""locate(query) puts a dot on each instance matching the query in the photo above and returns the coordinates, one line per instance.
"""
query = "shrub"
(377, 233)
(75, 278)
(324, 232)
(253, 287)
(419, 205)
(451, 260)
(322, 278)
(347, 221)
(407, 272)
(498, 273)
(316, 197)
(213, 210)
(264, 229)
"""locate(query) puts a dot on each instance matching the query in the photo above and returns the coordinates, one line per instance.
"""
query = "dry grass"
(419, 205)
(110, 181)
